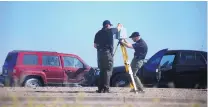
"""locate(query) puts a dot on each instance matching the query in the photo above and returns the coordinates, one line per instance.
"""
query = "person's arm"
(96, 40)
(127, 44)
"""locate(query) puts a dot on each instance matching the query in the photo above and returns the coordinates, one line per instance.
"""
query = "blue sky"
(70, 27)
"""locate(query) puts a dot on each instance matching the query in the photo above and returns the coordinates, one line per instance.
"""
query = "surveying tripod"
(127, 64)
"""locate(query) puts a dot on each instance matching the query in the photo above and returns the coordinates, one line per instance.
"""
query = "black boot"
(106, 90)
(100, 90)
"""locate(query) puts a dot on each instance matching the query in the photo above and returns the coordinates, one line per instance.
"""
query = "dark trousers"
(105, 64)
(136, 64)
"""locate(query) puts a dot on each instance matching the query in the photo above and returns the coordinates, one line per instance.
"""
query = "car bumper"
(9, 80)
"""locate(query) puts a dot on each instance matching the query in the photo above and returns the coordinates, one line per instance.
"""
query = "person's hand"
(119, 26)
(121, 41)
(125, 40)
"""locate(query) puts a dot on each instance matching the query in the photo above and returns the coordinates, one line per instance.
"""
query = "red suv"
(41, 68)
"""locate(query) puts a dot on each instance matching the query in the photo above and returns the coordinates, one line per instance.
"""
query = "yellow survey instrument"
(127, 65)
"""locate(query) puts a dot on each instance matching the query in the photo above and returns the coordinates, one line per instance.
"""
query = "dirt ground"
(86, 97)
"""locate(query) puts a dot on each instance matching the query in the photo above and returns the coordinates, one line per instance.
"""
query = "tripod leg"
(128, 67)
(116, 49)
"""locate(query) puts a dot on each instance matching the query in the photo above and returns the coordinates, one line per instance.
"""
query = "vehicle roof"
(17, 51)
(185, 51)
(68, 54)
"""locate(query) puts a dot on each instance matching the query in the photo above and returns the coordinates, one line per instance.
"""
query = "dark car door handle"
(45, 70)
(68, 70)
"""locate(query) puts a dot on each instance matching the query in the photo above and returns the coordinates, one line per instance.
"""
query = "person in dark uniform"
(141, 49)
(103, 42)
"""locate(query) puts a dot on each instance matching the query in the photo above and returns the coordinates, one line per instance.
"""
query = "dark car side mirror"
(84, 67)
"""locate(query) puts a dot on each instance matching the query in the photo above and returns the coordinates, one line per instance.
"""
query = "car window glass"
(11, 59)
(204, 55)
(78, 63)
(68, 61)
(167, 61)
(50, 60)
(30, 59)
(154, 61)
(8, 59)
(72, 62)
(200, 60)
(187, 58)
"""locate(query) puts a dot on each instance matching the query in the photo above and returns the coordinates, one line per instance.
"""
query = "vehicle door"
(186, 70)
(52, 68)
(149, 69)
(74, 68)
(201, 77)
(166, 68)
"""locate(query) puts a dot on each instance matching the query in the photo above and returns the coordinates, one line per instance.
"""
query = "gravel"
(86, 97)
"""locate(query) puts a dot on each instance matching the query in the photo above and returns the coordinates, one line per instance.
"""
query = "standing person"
(141, 49)
(103, 42)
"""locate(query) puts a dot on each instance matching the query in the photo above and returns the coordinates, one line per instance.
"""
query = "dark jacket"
(104, 39)
(140, 48)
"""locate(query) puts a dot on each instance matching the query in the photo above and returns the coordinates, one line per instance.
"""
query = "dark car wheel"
(200, 86)
(171, 84)
(121, 80)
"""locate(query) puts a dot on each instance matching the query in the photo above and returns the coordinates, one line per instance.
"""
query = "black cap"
(107, 22)
(134, 34)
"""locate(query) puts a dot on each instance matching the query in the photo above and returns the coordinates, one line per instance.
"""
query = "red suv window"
(72, 62)
(50, 60)
(30, 59)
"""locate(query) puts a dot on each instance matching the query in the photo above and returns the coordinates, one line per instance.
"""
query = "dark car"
(45, 68)
(169, 68)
